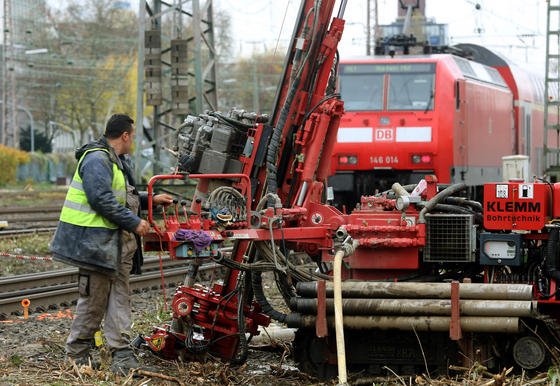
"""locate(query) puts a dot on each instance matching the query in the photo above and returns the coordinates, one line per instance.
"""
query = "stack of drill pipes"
(484, 307)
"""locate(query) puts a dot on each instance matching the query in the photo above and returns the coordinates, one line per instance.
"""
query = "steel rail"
(64, 295)
(23, 232)
(34, 281)
(29, 209)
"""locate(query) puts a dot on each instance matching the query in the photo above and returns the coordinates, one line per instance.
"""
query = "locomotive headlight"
(426, 158)
(347, 160)
(421, 159)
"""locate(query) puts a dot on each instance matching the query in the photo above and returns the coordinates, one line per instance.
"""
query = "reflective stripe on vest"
(76, 209)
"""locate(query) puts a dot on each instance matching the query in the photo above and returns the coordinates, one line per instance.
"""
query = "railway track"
(35, 217)
(23, 232)
(28, 220)
(59, 289)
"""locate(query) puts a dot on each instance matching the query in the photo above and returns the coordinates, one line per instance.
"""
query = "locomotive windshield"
(409, 86)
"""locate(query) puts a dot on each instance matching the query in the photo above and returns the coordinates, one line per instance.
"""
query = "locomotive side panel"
(484, 133)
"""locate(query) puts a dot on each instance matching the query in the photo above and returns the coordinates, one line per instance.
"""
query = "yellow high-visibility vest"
(76, 209)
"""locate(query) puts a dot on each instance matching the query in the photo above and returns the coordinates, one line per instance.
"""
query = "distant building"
(25, 23)
(27, 16)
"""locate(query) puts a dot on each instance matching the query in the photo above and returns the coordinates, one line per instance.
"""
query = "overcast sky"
(516, 28)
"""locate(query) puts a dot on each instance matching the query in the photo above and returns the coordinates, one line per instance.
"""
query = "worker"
(99, 232)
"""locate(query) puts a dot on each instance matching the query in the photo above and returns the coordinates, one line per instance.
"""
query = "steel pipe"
(408, 323)
(419, 307)
(371, 289)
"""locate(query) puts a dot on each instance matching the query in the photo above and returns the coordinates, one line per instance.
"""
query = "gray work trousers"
(103, 296)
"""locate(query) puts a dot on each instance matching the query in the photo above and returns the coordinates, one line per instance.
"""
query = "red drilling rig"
(411, 278)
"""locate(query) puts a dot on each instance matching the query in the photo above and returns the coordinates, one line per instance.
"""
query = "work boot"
(84, 360)
(124, 360)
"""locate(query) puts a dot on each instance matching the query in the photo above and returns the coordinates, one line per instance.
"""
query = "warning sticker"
(501, 191)
(526, 191)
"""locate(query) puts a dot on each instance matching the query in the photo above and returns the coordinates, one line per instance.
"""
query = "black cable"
(237, 124)
(326, 98)
(260, 266)
(267, 309)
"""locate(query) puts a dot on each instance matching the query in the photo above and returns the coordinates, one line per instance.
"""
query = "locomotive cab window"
(392, 86)
(361, 90)
(410, 92)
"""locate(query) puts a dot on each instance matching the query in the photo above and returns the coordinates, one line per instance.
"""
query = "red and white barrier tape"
(23, 257)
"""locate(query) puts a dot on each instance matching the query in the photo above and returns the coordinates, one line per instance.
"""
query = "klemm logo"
(493, 206)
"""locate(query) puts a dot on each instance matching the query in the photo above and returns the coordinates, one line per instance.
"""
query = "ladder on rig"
(551, 92)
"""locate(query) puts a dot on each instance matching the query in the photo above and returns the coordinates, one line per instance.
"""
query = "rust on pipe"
(436, 307)
(371, 289)
(455, 332)
(396, 242)
(487, 324)
(321, 329)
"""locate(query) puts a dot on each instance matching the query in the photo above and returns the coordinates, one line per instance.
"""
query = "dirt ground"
(32, 353)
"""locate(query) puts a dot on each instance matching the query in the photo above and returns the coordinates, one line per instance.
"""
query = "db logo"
(384, 135)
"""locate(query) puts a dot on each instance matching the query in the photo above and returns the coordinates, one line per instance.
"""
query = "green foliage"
(46, 168)
(88, 72)
(148, 319)
(34, 245)
(28, 194)
(10, 158)
(554, 376)
(16, 360)
(42, 142)
(47, 160)
(252, 82)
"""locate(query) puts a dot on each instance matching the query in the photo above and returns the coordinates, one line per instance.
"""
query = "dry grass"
(50, 369)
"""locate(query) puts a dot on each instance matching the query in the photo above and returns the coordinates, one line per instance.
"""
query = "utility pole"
(3, 133)
(551, 93)
(139, 92)
(179, 74)
(9, 102)
(372, 32)
(368, 28)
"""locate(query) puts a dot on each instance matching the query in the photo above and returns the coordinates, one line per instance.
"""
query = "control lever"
(184, 206)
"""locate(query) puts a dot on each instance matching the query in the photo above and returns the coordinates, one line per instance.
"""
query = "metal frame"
(198, 32)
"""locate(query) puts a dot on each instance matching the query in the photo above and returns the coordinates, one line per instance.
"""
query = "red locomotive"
(406, 116)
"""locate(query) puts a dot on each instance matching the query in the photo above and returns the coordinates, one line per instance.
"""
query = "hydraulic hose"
(475, 205)
(338, 318)
(438, 198)
(273, 147)
(459, 209)
(256, 282)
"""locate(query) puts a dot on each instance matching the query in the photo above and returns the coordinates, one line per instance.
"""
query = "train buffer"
(3, 224)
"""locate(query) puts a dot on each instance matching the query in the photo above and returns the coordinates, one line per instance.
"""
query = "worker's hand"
(143, 228)
(162, 199)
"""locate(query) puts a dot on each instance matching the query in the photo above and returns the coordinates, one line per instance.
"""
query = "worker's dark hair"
(118, 124)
